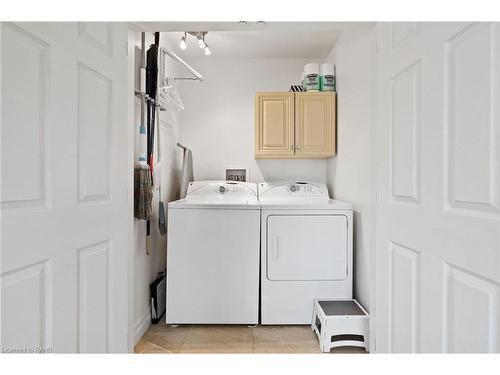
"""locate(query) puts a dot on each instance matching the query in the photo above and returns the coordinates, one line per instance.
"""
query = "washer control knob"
(293, 188)
(222, 189)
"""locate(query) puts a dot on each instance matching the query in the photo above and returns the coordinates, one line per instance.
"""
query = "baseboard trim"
(142, 325)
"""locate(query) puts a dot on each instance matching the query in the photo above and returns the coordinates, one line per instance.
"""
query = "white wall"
(350, 173)
(218, 120)
(146, 267)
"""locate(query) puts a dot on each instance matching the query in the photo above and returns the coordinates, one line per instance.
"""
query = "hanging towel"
(187, 171)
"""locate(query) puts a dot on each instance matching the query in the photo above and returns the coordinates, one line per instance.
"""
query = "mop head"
(143, 193)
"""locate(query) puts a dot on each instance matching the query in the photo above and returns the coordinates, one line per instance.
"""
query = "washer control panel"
(217, 190)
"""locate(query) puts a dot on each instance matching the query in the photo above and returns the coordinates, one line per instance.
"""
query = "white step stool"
(340, 322)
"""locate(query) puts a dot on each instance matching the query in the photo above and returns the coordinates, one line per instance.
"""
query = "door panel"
(94, 120)
(29, 287)
(65, 204)
(306, 247)
(274, 125)
(438, 218)
(315, 124)
(470, 99)
(25, 71)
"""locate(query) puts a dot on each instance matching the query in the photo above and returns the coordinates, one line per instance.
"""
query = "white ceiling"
(256, 44)
(257, 40)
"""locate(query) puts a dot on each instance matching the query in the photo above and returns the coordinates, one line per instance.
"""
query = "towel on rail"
(187, 171)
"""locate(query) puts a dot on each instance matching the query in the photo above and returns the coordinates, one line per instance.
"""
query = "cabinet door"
(315, 125)
(274, 130)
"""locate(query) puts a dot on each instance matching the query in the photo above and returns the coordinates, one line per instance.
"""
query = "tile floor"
(161, 338)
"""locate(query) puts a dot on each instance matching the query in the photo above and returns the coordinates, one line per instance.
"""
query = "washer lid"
(227, 193)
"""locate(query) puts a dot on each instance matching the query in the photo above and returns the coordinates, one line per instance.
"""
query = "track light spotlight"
(201, 41)
(182, 43)
(207, 50)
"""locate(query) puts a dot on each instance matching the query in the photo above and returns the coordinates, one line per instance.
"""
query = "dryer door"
(306, 247)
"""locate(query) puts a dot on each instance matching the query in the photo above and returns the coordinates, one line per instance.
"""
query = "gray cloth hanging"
(187, 171)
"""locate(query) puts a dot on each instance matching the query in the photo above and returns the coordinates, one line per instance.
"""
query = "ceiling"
(256, 40)
(256, 44)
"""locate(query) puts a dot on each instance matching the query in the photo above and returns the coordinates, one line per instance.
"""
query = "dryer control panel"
(292, 190)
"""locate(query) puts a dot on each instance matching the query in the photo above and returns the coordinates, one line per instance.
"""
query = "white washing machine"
(306, 250)
(213, 255)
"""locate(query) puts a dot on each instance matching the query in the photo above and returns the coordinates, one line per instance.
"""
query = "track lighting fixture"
(200, 36)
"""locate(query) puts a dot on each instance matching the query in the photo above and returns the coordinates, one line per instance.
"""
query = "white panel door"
(438, 188)
(64, 179)
(306, 247)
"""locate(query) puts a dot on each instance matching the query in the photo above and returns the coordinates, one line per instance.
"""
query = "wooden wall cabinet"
(294, 125)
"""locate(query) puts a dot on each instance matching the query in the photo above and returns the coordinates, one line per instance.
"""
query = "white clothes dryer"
(306, 250)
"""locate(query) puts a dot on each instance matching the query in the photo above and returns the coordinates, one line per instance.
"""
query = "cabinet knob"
(298, 147)
(292, 147)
